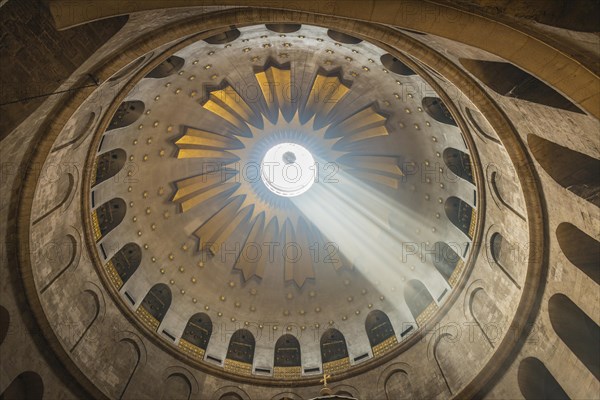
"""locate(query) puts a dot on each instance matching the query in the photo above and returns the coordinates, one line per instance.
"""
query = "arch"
(66, 187)
(126, 70)
(108, 165)
(81, 130)
(73, 252)
(230, 393)
(27, 385)
(537, 383)
(486, 314)
(287, 352)
(231, 396)
(170, 66)
(461, 215)
(127, 113)
(443, 348)
(241, 347)
(284, 28)
(128, 357)
(196, 335)
(571, 169)
(459, 163)
(177, 387)
(334, 351)
(396, 66)
(94, 312)
(498, 184)
(511, 81)
(436, 109)
(582, 250)
(155, 305)
(380, 332)
(4, 323)
(419, 300)
(398, 386)
(445, 260)
(503, 255)
(578, 331)
(224, 38)
(342, 37)
(108, 216)
(124, 264)
(477, 121)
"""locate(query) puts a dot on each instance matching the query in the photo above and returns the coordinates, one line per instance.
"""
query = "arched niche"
(459, 163)
(127, 355)
(63, 191)
(445, 260)
(505, 191)
(396, 66)
(581, 250)
(343, 37)
(503, 254)
(461, 215)
(511, 81)
(334, 351)
(224, 38)
(537, 383)
(109, 164)
(80, 130)
(571, 169)
(170, 66)
(129, 68)
(127, 113)
(240, 353)
(284, 28)
(398, 386)
(436, 109)
(61, 258)
(288, 359)
(124, 264)
(27, 385)
(177, 387)
(578, 331)
(419, 301)
(4, 323)
(231, 396)
(88, 306)
(446, 354)
(196, 335)
(380, 332)
(486, 314)
(108, 216)
(481, 126)
(155, 305)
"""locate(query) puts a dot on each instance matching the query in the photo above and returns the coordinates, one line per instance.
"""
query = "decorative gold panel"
(287, 372)
(237, 367)
(473, 223)
(96, 226)
(384, 346)
(94, 172)
(191, 349)
(427, 313)
(458, 270)
(147, 318)
(337, 366)
(113, 275)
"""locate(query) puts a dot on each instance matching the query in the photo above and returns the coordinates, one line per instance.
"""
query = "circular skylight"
(288, 169)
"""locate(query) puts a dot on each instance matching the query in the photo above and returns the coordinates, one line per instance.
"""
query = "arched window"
(288, 361)
(109, 164)
(177, 387)
(461, 214)
(437, 110)
(380, 332)
(537, 383)
(445, 261)
(511, 81)
(108, 216)
(123, 264)
(170, 66)
(4, 323)
(334, 352)
(571, 169)
(580, 249)
(223, 38)
(578, 331)
(27, 385)
(419, 301)
(459, 163)
(398, 386)
(396, 66)
(240, 353)
(127, 113)
(283, 28)
(503, 255)
(342, 37)
(196, 335)
(155, 305)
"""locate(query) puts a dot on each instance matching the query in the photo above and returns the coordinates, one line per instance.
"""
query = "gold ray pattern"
(249, 208)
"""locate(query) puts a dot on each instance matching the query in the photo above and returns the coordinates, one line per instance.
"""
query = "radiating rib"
(229, 105)
(326, 92)
(247, 261)
(212, 229)
(276, 86)
(381, 164)
(204, 139)
(197, 198)
(297, 262)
